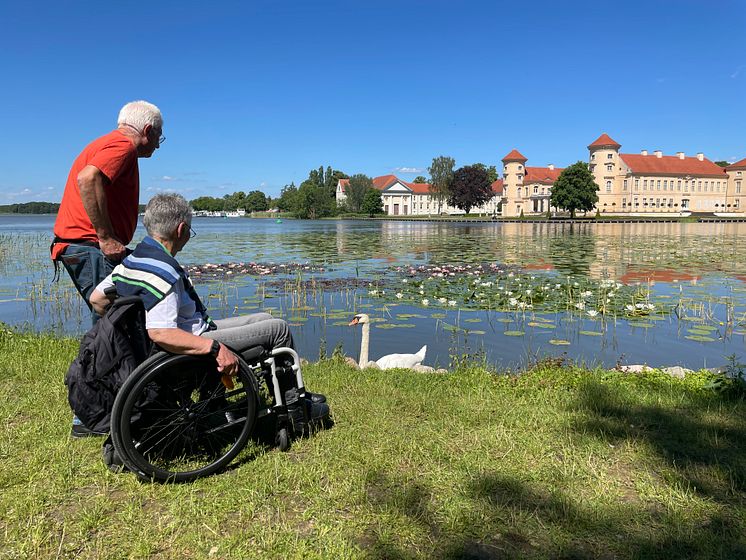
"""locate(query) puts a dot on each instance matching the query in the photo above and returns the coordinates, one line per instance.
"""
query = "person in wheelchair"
(175, 318)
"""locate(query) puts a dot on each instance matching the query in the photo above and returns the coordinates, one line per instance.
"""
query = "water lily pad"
(700, 338)
(474, 320)
(542, 325)
(641, 324)
(514, 333)
(591, 333)
(438, 315)
(559, 342)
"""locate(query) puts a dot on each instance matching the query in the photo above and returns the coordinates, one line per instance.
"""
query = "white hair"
(140, 113)
(164, 213)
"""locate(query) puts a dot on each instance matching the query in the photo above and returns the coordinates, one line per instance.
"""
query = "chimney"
(551, 166)
(658, 153)
(700, 156)
(644, 152)
(680, 155)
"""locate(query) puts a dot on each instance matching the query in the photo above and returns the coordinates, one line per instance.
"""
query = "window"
(624, 203)
(608, 186)
(637, 183)
(536, 189)
(625, 184)
(706, 183)
(644, 201)
(699, 186)
(686, 186)
(737, 201)
(665, 185)
(609, 167)
(645, 185)
(738, 187)
(670, 202)
(684, 203)
(609, 156)
(519, 192)
(658, 202)
(659, 184)
(678, 186)
(738, 173)
(520, 168)
(592, 167)
(593, 157)
(520, 177)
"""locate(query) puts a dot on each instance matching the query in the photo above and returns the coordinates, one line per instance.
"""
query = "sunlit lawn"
(557, 463)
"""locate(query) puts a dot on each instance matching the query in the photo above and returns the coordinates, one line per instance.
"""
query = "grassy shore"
(555, 463)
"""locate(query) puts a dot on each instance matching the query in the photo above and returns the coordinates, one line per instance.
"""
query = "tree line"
(30, 208)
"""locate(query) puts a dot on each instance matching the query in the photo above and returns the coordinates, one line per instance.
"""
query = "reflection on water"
(693, 271)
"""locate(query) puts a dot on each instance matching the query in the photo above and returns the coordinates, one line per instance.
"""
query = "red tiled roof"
(604, 140)
(542, 175)
(515, 155)
(419, 188)
(497, 186)
(672, 165)
(738, 165)
(384, 181)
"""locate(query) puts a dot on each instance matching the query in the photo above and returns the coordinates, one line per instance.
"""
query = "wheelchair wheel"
(174, 421)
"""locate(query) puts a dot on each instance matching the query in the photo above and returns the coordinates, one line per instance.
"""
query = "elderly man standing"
(98, 214)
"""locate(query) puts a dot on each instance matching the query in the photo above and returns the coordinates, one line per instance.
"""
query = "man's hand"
(112, 249)
(227, 361)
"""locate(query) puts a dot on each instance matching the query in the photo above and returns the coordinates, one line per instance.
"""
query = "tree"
(207, 203)
(575, 189)
(722, 163)
(441, 174)
(491, 171)
(470, 187)
(356, 189)
(372, 203)
(286, 202)
(313, 201)
(420, 180)
(256, 201)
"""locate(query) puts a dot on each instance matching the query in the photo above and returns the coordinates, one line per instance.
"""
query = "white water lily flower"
(639, 305)
(580, 305)
(452, 302)
(512, 301)
(485, 284)
(557, 286)
(522, 305)
(651, 306)
(425, 302)
(422, 292)
(404, 280)
(592, 312)
(373, 292)
(510, 275)
(587, 293)
(399, 295)
(442, 300)
(528, 292)
(510, 293)
(629, 307)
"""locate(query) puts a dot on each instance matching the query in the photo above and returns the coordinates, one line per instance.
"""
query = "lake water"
(661, 294)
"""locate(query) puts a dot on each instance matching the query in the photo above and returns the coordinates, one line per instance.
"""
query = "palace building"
(629, 184)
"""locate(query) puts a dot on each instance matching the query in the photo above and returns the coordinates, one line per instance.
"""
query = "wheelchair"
(175, 420)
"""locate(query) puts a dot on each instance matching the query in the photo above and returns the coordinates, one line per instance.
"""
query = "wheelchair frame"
(174, 421)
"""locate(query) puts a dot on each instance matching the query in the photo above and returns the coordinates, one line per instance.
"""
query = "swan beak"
(353, 322)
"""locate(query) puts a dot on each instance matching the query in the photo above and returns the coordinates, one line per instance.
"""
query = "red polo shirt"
(116, 157)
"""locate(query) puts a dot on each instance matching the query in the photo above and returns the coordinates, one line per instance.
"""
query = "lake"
(507, 293)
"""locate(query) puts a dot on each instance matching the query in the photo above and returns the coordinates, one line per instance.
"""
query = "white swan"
(407, 361)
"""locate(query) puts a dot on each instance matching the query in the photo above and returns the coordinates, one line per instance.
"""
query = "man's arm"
(178, 341)
(100, 301)
(91, 183)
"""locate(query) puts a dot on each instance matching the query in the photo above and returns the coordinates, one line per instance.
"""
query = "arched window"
(608, 186)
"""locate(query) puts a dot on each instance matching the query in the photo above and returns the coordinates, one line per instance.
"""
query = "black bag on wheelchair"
(108, 353)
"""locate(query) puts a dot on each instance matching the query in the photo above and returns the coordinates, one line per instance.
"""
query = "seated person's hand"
(227, 365)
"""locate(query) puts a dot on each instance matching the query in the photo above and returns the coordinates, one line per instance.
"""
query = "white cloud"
(735, 74)
(409, 169)
(167, 178)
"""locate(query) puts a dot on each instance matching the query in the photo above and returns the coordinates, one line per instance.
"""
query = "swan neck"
(364, 344)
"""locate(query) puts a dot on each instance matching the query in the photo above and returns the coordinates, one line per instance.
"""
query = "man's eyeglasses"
(192, 233)
(161, 137)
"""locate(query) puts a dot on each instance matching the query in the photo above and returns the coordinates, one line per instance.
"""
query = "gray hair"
(140, 113)
(164, 213)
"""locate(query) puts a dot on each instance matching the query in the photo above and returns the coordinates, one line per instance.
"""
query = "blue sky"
(257, 93)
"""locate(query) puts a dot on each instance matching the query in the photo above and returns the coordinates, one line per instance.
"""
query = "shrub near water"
(559, 462)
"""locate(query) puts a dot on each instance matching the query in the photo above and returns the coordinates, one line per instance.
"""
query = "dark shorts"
(86, 266)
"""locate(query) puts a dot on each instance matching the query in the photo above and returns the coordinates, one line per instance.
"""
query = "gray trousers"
(257, 329)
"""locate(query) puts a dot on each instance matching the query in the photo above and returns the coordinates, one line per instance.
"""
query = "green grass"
(556, 463)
